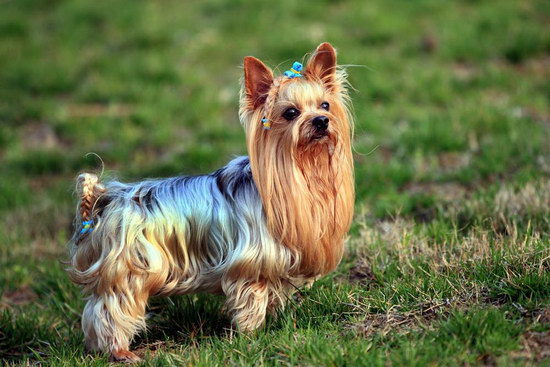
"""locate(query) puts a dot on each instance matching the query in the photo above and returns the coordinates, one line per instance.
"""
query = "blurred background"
(451, 100)
(444, 92)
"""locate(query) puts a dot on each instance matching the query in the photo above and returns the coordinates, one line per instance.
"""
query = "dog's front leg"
(246, 302)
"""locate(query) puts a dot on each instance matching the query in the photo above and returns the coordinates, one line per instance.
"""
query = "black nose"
(320, 122)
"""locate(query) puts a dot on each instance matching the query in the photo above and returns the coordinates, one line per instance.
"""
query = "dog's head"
(298, 130)
(304, 113)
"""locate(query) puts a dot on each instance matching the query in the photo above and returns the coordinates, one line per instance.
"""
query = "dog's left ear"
(322, 65)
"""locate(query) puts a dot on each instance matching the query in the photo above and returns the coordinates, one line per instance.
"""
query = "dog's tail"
(89, 191)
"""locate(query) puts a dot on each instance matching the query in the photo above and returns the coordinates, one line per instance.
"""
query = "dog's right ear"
(322, 65)
(257, 81)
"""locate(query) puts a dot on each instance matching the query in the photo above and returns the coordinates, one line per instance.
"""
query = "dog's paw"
(124, 356)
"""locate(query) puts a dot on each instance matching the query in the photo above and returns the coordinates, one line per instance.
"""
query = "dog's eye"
(325, 106)
(291, 114)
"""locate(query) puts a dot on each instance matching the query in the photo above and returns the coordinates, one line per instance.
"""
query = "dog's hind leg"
(111, 320)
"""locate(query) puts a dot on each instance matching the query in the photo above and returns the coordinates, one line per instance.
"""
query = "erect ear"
(322, 64)
(257, 81)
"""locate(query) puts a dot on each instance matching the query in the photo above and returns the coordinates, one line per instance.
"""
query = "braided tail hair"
(89, 191)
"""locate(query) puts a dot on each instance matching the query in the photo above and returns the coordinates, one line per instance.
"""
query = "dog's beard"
(316, 143)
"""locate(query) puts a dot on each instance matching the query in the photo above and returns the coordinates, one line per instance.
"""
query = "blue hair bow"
(295, 71)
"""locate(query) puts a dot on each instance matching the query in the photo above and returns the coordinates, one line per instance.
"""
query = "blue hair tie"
(266, 124)
(295, 71)
(86, 227)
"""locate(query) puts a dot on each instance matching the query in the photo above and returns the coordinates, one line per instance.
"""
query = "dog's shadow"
(190, 319)
(183, 319)
(194, 319)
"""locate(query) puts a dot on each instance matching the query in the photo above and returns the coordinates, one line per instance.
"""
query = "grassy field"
(448, 261)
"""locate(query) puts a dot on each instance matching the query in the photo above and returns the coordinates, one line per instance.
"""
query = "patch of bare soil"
(18, 297)
(453, 161)
(41, 136)
(538, 66)
(429, 43)
(384, 323)
(361, 273)
(464, 71)
(404, 322)
(535, 345)
(150, 350)
(543, 316)
(447, 191)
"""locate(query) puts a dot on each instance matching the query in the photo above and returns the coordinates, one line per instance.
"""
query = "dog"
(253, 230)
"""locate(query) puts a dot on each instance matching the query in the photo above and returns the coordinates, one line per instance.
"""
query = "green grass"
(448, 261)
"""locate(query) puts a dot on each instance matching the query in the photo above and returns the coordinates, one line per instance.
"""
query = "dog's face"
(305, 114)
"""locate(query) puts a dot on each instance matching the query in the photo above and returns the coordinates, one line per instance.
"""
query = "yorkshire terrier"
(253, 230)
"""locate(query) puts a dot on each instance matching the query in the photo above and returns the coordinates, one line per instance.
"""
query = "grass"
(448, 260)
